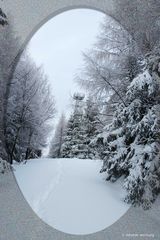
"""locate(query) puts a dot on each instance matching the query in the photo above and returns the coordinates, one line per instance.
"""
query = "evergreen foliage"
(131, 143)
(82, 126)
(92, 126)
(74, 145)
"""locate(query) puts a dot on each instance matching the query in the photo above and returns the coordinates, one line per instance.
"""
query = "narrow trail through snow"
(70, 194)
(40, 202)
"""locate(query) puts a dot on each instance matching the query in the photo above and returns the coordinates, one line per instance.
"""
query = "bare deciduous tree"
(30, 109)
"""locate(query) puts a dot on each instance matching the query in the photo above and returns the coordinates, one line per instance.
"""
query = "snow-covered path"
(70, 194)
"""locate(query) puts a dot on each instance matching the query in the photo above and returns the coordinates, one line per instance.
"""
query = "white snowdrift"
(70, 194)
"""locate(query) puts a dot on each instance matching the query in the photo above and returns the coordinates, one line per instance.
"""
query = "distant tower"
(78, 98)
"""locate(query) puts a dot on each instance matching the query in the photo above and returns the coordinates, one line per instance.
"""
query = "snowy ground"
(70, 194)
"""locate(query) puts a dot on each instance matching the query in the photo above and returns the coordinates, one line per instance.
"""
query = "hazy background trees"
(58, 138)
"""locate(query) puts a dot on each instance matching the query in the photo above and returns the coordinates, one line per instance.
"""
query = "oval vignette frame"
(27, 22)
(26, 31)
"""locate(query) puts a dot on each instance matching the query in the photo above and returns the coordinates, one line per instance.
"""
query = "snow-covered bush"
(130, 145)
(4, 166)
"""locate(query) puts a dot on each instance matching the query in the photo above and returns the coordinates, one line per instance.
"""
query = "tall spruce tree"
(130, 145)
(92, 126)
(74, 137)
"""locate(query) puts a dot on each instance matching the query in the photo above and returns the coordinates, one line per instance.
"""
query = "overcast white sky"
(58, 46)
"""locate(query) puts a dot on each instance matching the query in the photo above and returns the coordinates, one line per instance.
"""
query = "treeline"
(123, 78)
(26, 104)
(73, 136)
(117, 71)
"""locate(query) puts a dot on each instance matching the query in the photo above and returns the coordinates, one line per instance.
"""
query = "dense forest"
(117, 120)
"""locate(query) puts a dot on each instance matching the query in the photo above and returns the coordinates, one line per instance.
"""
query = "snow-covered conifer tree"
(92, 126)
(130, 145)
(74, 145)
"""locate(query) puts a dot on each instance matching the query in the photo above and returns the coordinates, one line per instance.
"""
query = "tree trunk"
(28, 150)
